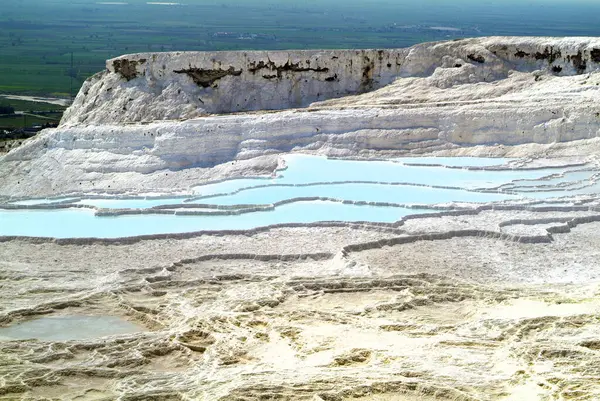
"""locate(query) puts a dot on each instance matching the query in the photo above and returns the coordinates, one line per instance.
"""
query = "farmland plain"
(49, 47)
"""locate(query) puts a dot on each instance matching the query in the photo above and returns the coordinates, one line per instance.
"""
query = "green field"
(20, 121)
(36, 113)
(38, 37)
(25, 105)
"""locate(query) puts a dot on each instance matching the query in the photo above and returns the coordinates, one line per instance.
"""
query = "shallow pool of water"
(67, 328)
(81, 223)
(225, 187)
(584, 189)
(305, 169)
(569, 178)
(402, 194)
(306, 176)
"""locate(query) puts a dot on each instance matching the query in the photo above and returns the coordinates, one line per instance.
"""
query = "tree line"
(5, 109)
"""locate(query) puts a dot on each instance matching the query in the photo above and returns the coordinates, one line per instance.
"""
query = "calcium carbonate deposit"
(398, 224)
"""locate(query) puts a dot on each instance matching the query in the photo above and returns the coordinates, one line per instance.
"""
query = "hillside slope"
(175, 111)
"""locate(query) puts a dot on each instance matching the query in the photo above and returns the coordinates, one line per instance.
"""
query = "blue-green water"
(305, 169)
(67, 328)
(307, 177)
(571, 178)
(356, 192)
(81, 223)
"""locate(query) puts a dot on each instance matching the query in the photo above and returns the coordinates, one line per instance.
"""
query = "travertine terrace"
(144, 117)
(489, 301)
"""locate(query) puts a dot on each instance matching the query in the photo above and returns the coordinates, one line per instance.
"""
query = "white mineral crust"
(152, 112)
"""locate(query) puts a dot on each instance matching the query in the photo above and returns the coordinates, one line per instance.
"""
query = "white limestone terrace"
(157, 86)
(149, 115)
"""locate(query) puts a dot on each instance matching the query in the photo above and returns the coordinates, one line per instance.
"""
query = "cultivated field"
(37, 37)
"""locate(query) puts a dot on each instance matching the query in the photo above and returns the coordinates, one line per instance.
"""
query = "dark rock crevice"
(280, 69)
(205, 78)
(548, 54)
(127, 68)
(367, 82)
(477, 58)
(521, 54)
(579, 62)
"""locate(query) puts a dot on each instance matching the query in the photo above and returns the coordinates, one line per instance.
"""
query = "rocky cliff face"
(158, 86)
(150, 112)
(148, 87)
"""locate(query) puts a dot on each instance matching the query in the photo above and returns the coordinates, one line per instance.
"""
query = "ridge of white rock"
(183, 85)
(151, 112)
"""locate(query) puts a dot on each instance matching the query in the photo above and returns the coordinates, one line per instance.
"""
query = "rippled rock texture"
(478, 302)
(297, 314)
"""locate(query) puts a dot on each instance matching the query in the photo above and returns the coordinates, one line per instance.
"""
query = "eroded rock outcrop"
(149, 87)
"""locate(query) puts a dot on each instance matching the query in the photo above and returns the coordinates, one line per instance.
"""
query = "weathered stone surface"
(188, 84)
(233, 316)
(207, 78)
(430, 97)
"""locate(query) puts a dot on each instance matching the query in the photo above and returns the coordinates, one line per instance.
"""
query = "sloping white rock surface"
(152, 86)
(151, 112)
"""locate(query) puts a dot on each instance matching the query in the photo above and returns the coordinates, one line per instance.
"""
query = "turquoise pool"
(67, 328)
(435, 182)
